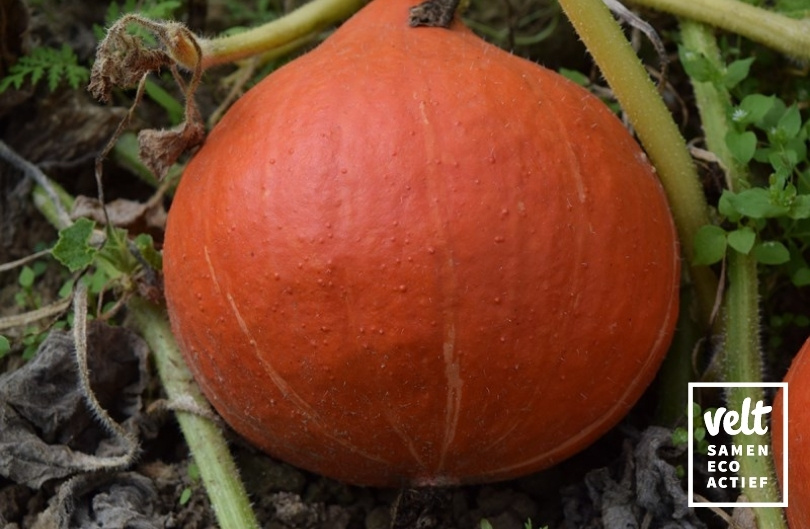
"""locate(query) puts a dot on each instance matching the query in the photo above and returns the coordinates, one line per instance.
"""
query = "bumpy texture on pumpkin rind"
(409, 257)
(798, 509)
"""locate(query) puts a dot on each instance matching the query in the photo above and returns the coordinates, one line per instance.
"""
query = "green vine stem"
(712, 102)
(655, 128)
(743, 364)
(305, 21)
(787, 35)
(204, 437)
(742, 358)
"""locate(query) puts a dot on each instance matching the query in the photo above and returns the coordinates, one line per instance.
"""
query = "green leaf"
(774, 114)
(485, 524)
(753, 108)
(39, 267)
(96, 281)
(54, 76)
(742, 239)
(797, 146)
(771, 253)
(742, 145)
(66, 289)
(736, 72)
(26, 277)
(801, 277)
(800, 207)
(697, 66)
(185, 496)
(700, 433)
(5, 346)
(193, 471)
(710, 245)
(13, 79)
(146, 246)
(725, 206)
(783, 161)
(73, 249)
(575, 75)
(680, 436)
(160, 9)
(756, 203)
(791, 122)
(36, 72)
(56, 64)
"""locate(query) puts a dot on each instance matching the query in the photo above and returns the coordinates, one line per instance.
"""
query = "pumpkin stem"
(433, 13)
(780, 32)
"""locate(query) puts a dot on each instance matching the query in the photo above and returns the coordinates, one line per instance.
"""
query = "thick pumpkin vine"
(632, 87)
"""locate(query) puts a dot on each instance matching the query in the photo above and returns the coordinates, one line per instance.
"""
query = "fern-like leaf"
(57, 65)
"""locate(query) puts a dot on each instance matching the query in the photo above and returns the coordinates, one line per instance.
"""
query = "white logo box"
(691, 446)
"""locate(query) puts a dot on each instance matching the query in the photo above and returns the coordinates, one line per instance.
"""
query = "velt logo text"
(730, 420)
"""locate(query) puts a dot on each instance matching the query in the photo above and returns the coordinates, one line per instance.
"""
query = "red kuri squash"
(409, 257)
(798, 510)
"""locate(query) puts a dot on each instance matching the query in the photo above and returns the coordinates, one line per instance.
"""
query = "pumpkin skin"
(798, 509)
(410, 258)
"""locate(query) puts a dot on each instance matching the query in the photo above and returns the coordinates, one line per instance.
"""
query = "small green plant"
(680, 435)
(27, 297)
(157, 9)
(34, 336)
(56, 65)
(767, 215)
(194, 478)
(61, 65)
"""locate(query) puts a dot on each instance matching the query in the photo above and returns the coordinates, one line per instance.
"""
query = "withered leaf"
(160, 149)
(46, 429)
(122, 213)
(641, 488)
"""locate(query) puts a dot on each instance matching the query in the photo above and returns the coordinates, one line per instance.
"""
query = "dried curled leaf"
(122, 59)
(122, 213)
(46, 429)
(160, 149)
(642, 487)
(125, 500)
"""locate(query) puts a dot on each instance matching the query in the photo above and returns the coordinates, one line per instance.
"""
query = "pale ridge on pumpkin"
(211, 270)
(450, 290)
(407, 441)
(454, 385)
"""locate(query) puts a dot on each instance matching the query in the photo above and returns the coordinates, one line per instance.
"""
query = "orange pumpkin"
(798, 510)
(409, 257)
